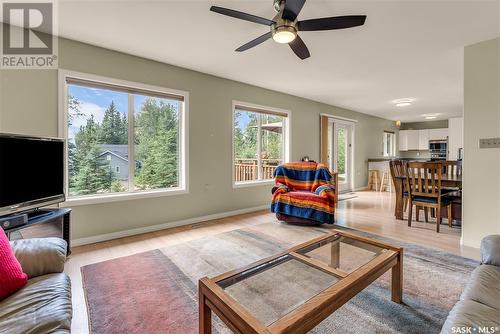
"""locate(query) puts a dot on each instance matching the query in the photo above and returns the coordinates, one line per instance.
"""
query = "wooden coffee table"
(295, 290)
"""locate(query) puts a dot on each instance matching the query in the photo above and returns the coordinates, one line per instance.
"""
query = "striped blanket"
(304, 190)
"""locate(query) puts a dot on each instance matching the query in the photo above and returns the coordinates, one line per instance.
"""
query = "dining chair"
(423, 182)
(398, 171)
(452, 168)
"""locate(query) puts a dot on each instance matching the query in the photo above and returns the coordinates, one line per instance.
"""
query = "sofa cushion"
(490, 250)
(484, 286)
(42, 306)
(12, 277)
(40, 256)
(470, 314)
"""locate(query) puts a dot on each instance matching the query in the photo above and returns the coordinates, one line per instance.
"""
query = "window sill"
(253, 183)
(100, 199)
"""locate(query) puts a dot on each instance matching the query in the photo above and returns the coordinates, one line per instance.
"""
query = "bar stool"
(386, 182)
(373, 177)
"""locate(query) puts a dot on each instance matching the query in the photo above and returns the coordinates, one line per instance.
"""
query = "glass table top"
(343, 253)
(274, 288)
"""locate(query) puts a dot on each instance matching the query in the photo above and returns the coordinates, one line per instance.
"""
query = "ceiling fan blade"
(299, 47)
(331, 23)
(255, 42)
(292, 9)
(241, 15)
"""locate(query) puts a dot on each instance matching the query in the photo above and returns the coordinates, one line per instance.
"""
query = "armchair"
(44, 304)
(304, 193)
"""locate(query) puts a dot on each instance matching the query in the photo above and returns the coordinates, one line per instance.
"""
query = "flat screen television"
(31, 173)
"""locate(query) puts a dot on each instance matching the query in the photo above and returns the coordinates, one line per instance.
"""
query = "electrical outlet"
(489, 143)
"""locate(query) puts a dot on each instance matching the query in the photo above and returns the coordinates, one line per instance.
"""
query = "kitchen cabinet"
(403, 140)
(438, 134)
(455, 137)
(423, 140)
(408, 140)
(413, 139)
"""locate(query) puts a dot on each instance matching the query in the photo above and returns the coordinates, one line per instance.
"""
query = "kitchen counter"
(396, 158)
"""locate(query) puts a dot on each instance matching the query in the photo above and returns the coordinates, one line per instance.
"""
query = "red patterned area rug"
(156, 291)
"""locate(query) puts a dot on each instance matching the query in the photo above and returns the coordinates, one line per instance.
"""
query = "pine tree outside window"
(122, 138)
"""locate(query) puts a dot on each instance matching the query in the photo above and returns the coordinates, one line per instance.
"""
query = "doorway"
(337, 149)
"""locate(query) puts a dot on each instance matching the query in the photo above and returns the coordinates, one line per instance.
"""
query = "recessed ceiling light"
(431, 116)
(403, 102)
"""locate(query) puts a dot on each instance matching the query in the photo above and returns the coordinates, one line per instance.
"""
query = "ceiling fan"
(284, 26)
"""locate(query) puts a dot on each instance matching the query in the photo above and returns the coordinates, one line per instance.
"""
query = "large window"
(260, 142)
(389, 144)
(123, 138)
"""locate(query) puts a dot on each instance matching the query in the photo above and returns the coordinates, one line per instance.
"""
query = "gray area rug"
(433, 281)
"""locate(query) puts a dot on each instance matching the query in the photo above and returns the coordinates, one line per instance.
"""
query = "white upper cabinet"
(438, 134)
(408, 140)
(403, 140)
(423, 140)
(413, 139)
(419, 139)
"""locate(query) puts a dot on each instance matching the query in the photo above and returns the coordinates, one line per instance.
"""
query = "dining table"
(447, 180)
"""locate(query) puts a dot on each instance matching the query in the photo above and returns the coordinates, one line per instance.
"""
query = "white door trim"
(351, 162)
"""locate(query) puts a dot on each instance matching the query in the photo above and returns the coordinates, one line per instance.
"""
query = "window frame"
(286, 139)
(393, 144)
(183, 188)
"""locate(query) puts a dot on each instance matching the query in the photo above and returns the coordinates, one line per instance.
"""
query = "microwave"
(438, 146)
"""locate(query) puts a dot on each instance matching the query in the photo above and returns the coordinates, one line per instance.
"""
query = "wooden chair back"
(398, 170)
(424, 179)
(451, 167)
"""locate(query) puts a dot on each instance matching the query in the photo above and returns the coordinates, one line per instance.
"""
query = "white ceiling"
(405, 49)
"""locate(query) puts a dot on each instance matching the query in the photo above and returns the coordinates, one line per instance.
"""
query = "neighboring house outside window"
(260, 142)
(389, 144)
(123, 138)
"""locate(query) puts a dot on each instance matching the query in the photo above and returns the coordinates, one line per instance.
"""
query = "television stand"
(44, 216)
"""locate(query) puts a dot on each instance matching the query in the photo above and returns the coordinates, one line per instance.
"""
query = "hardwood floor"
(371, 212)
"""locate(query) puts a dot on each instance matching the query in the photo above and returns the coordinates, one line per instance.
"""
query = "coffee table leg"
(335, 254)
(397, 280)
(205, 314)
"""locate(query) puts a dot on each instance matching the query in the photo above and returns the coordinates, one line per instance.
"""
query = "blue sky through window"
(243, 119)
(94, 101)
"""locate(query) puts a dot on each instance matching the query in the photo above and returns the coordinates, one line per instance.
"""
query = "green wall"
(481, 188)
(29, 105)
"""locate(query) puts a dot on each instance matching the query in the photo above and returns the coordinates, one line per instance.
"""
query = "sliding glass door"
(342, 154)
(337, 149)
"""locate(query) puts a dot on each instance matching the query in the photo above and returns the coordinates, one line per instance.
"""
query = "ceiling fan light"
(284, 35)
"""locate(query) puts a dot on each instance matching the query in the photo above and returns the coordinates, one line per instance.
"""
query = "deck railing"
(247, 169)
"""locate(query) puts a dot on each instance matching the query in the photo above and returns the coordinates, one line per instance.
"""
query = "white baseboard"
(146, 229)
(361, 188)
